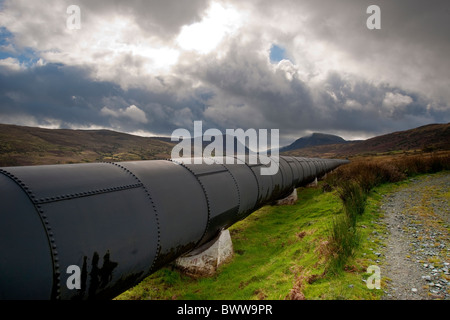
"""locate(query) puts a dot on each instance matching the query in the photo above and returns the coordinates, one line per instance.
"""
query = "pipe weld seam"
(56, 291)
(158, 228)
(206, 198)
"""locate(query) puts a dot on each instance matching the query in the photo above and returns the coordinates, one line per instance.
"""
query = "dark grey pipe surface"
(120, 222)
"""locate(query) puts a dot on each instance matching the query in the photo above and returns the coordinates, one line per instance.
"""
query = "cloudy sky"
(150, 67)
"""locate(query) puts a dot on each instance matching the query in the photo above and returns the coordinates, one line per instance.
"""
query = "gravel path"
(416, 260)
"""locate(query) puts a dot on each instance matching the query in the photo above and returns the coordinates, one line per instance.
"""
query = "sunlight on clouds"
(31, 121)
(122, 37)
(206, 35)
(394, 100)
(289, 69)
(132, 112)
(352, 105)
(11, 64)
(144, 133)
(116, 48)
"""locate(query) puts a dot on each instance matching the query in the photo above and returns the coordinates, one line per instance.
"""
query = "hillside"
(432, 137)
(32, 146)
(316, 139)
(20, 146)
(211, 141)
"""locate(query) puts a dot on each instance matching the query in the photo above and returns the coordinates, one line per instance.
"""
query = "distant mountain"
(432, 137)
(32, 146)
(237, 145)
(316, 139)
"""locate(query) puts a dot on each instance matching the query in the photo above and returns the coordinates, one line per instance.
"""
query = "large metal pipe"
(120, 222)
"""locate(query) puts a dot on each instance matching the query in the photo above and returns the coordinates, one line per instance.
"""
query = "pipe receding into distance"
(120, 222)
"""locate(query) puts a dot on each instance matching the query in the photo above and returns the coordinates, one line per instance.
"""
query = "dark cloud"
(251, 93)
(375, 109)
(67, 94)
(340, 77)
(410, 49)
(247, 88)
(244, 94)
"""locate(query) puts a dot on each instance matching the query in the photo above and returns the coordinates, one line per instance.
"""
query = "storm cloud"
(150, 67)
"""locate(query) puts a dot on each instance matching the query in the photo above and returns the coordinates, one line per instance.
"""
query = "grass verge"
(281, 252)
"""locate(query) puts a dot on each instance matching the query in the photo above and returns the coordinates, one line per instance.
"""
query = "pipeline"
(120, 222)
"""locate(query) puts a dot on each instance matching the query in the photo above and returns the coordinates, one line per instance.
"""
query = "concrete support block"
(205, 260)
(313, 184)
(289, 200)
(323, 177)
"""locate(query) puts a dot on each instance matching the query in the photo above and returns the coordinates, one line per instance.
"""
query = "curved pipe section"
(120, 222)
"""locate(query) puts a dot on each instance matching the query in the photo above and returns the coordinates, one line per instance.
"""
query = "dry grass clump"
(354, 181)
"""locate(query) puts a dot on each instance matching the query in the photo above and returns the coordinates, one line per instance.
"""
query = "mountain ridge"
(430, 137)
(20, 145)
(314, 139)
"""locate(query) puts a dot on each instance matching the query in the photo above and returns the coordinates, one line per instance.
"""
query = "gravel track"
(416, 258)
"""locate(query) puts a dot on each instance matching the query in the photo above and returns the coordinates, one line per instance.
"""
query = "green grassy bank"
(282, 252)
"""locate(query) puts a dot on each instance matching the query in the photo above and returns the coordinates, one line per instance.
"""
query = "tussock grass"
(355, 181)
(344, 239)
(414, 165)
(353, 198)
